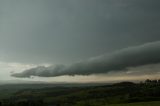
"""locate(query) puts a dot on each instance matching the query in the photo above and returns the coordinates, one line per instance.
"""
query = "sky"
(79, 40)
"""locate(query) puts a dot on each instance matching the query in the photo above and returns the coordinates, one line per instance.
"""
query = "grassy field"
(119, 94)
(155, 103)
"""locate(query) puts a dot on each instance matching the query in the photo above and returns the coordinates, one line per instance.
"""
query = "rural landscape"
(79, 52)
(145, 93)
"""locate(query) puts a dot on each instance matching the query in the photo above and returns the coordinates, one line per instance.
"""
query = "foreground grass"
(155, 103)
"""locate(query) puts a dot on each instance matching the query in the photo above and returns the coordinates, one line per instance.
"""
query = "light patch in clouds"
(7, 68)
(117, 61)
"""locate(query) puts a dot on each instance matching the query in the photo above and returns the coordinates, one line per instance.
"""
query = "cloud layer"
(117, 61)
(59, 31)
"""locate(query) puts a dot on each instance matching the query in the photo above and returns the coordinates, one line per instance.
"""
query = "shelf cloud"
(120, 60)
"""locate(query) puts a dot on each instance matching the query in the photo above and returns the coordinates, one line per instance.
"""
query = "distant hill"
(2, 82)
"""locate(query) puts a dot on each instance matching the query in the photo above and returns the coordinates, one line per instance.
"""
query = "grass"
(155, 103)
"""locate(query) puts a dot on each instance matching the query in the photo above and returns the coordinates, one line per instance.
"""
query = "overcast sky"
(45, 33)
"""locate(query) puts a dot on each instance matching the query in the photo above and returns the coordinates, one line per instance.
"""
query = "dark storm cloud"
(120, 60)
(59, 31)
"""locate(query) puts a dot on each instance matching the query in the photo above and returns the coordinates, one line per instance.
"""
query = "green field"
(118, 94)
(157, 103)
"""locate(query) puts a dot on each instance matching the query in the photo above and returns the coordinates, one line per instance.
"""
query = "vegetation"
(119, 94)
(154, 103)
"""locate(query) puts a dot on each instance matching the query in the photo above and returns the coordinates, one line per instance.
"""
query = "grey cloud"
(117, 61)
(58, 31)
